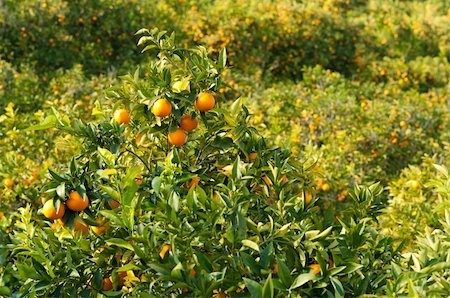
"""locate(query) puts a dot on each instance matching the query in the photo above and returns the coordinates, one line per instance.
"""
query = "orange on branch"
(76, 202)
(122, 116)
(187, 123)
(161, 108)
(178, 137)
(204, 102)
(49, 210)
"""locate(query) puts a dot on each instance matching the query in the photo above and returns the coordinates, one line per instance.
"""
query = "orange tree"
(173, 192)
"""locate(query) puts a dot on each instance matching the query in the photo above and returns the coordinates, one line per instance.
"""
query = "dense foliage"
(263, 149)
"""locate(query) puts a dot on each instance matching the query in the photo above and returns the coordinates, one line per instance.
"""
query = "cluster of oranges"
(76, 203)
(162, 108)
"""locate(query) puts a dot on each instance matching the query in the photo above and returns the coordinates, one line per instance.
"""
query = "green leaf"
(110, 192)
(128, 267)
(441, 169)
(107, 156)
(338, 288)
(352, 267)
(223, 58)
(61, 190)
(250, 244)
(106, 172)
(120, 243)
(268, 291)
(412, 293)
(254, 288)
(129, 201)
(113, 217)
(323, 234)
(49, 122)
(5, 291)
(156, 184)
(174, 201)
(301, 280)
(98, 282)
(284, 273)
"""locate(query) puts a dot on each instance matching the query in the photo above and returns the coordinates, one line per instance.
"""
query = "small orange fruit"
(114, 204)
(76, 202)
(2, 215)
(308, 197)
(80, 225)
(275, 268)
(161, 108)
(194, 182)
(178, 137)
(315, 268)
(193, 272)
(107, 284)
(415, 184)
(122, 116)
(326, 187)
(8, 182)
(204, 102)
(100, 229)
(164, 250)
(138, 179)
(403, 124)
(215, 197)
(252, 156)
(187, 123)
(49, 210)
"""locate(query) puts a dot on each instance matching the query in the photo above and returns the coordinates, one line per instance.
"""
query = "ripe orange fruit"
(161, 108)
(114, 204)
(320, 182)
(193, 272)
(252, 156)
(49, 210)
(8, 182)
(100, 229)
(80, 225)
(2, 215)
(122, 116)
(178, 137)
(204, 102)
(315, 268)
(275, 268)
(187, 123)
(107, 284)
(326, 187)
(215, 197)
(308, 197)
(164, 250)
(194, 182)
(76, 202)
(138, 179)
(415, 184)
(403, 124)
